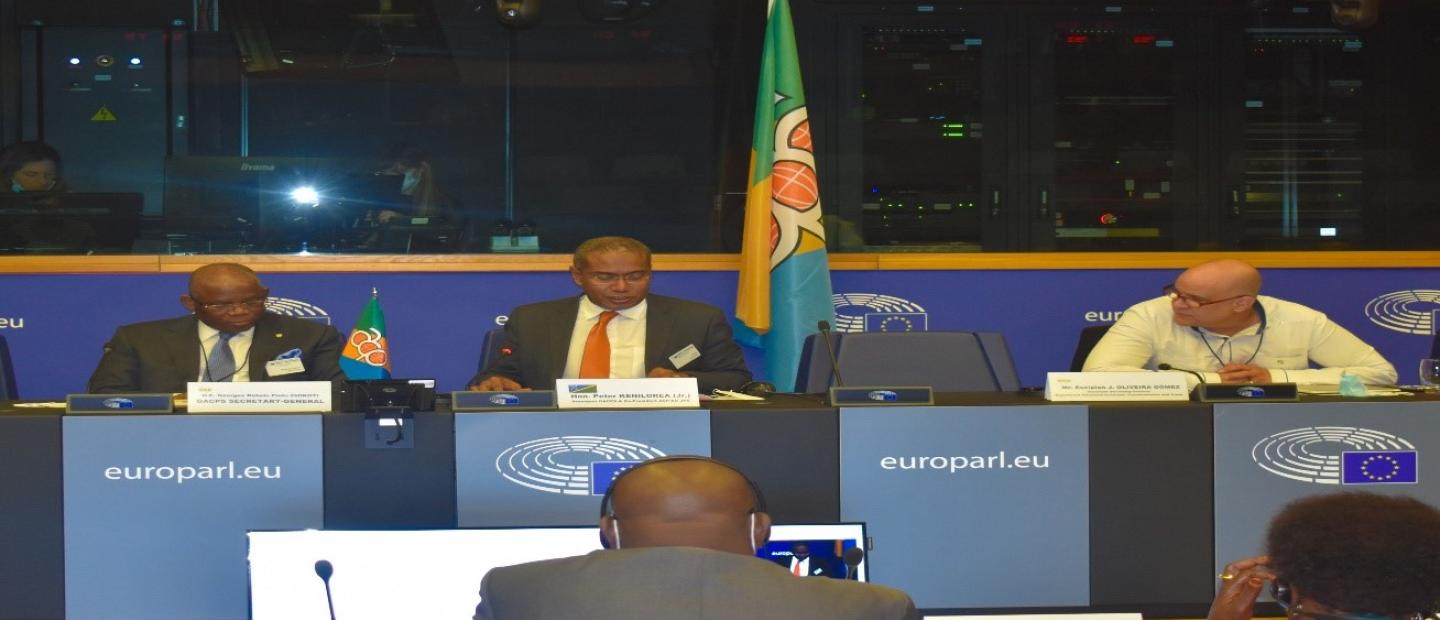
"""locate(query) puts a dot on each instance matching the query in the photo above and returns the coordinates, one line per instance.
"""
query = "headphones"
(607, 502)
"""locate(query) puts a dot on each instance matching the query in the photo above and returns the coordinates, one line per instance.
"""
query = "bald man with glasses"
(1214, 320)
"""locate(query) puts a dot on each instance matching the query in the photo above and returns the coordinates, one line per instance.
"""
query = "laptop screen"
(436, 573)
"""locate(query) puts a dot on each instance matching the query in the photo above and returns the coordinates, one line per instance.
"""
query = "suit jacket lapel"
(183, 343)
(262, 346)
(658, 338)
(559, 346)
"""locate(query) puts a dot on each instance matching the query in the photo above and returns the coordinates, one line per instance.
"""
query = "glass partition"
(442, 126)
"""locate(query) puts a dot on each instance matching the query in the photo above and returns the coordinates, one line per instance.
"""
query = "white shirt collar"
(589, 310)
(209, 334)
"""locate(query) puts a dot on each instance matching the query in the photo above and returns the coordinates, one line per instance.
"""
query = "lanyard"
(1203, 338)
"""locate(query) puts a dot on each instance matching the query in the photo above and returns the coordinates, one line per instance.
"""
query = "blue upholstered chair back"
(1001, 364)
(8, 391)
(946, 361)
(1089, 337)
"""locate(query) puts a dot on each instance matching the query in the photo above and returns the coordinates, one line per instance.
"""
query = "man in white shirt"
(1213, 320)
(616, 329)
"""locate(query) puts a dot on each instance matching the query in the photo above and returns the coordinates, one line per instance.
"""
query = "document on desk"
(1333, 389)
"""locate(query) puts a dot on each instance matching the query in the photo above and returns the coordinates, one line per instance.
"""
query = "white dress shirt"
(239, 347)
(1286, 342)
(802, 565)
(627, 340)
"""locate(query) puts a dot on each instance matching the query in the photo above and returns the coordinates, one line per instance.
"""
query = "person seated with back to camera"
(1214, 320)
(616, 329)
(681, 535)
(1344, 556)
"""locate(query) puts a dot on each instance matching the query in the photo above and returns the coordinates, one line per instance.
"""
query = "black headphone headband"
(607, 502)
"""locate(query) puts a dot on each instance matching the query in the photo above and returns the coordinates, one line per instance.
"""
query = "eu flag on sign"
(897, 322)
(602, 473)
(1380, 467)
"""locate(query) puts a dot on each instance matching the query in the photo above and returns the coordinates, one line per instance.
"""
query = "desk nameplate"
(260, 397)
(655, 393)
(128, 404)
(1115, 386)
(877, 395)
(528, 400)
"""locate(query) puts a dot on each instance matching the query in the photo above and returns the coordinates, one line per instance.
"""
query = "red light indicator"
(1143, 39)
(1077, 39)
(1109, 218)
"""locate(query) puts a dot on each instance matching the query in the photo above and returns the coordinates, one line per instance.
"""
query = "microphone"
(1197, 375)
(324, 569)
(853, 557)
(834, 365)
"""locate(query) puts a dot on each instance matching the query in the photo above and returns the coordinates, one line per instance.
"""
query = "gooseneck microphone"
(853, 557)
(1198, 375)
(324, 569)
(834, 365)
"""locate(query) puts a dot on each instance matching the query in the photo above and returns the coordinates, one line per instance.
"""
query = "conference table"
(980, 503)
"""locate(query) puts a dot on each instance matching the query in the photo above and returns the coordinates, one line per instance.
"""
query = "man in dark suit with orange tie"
(615, 330)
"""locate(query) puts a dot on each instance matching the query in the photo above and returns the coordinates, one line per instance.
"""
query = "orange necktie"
(595, 363)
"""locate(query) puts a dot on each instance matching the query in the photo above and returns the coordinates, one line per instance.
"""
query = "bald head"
(692, 503)
(1221, 278)
(226, 296)
(1218, 295)
(219, 274)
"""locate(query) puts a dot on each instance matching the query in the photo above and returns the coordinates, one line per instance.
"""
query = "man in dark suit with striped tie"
(227, 337)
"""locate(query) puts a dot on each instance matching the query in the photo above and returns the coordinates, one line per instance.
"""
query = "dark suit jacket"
(539, 337)
(819, 567)
(678, 583)
(162, 356)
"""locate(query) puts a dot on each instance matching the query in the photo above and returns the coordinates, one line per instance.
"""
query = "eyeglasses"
(611, 278)
(1281, 591)
(249, 304)
(1190, 300)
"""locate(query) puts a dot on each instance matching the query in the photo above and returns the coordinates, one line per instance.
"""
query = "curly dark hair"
(1360, 552)
(15, 156)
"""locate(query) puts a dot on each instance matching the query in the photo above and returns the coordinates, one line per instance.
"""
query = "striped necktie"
(220, 365)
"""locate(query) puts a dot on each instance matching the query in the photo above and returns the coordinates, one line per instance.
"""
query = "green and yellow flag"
(367, 353)
(784, 269)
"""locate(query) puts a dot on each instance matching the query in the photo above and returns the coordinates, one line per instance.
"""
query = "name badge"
(684, 356)
(277, 368)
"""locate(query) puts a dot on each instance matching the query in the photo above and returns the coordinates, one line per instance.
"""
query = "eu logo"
(897, 322)
(602, 473)
(1380, 467)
